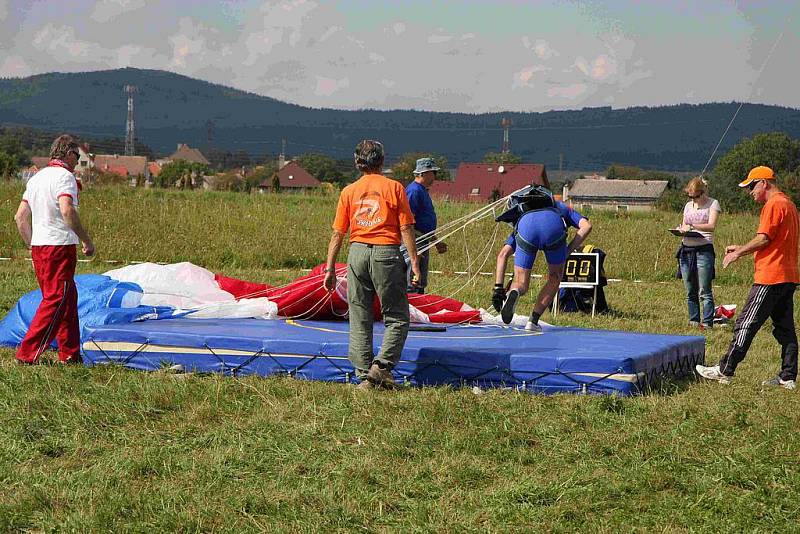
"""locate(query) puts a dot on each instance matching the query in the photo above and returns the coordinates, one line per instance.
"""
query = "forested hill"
(170, 109)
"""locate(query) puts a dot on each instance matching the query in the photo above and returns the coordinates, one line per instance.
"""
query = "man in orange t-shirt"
(376, 212)
(776, 277)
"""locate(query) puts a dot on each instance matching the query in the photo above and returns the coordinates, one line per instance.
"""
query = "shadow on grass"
(626, 314)
(669, 386)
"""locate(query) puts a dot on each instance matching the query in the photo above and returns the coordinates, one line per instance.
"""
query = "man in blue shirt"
(425, 217)
(544, 229)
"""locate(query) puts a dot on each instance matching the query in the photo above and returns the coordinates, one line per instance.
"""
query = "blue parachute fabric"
(99, 298)
(562, 360)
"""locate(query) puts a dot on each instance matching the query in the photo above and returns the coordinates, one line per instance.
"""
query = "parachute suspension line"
(747, 100)
(484, 253)
(466, 248)
(445, 231)
(457, 223)
(452, 227)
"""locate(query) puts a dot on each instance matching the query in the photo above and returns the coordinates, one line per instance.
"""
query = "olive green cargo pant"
(371, 270)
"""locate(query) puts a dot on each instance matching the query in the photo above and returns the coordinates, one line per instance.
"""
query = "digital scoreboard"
(582, 269)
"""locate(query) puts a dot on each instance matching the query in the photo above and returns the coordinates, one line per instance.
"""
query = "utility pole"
(210, 133)
(129, 125)
(506, 124)
(282, 155)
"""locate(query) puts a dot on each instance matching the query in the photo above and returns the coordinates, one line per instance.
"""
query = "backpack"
(531, 198)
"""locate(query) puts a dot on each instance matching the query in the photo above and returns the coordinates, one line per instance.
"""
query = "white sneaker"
(779, 382)
(533, 328)
(713, 373)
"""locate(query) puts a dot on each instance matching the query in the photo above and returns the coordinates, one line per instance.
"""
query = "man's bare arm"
(409, 240)
(72, 219)
(734, 252)
(502, 261)
(584, 229)
(23, 220)
(334, 245)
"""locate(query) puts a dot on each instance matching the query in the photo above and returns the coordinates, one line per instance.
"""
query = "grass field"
(108, 449)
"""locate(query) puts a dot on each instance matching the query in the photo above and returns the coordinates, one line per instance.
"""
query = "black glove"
(498, 297)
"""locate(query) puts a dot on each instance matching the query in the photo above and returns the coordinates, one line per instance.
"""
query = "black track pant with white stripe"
(765, 301)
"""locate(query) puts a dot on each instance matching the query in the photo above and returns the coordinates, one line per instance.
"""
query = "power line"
(749, 96)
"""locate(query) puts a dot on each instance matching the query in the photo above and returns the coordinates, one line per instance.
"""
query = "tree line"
(237, 171)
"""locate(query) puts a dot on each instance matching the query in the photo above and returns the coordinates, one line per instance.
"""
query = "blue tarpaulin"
(560, 360)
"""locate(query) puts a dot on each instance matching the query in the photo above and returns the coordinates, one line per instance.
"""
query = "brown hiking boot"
(381, 377)
(364, 385)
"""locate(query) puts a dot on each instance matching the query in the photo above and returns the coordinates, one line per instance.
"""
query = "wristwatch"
(329, 269)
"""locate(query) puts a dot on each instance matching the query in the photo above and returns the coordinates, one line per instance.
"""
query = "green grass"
(108, 449)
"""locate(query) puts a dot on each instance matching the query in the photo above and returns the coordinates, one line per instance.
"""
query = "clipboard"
(675, 231)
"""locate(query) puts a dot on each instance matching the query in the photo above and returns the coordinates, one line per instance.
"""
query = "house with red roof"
(292, 177)
(83, 167)
(482, 182)
(125, 166)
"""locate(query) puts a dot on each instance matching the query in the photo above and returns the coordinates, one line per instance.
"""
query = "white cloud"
(15, 67)
(106, 10)
(330, 31)
(543, 50)
(569, 92)
(540, 47)
(438, 38)
(322, 54)
(60, 42)
(3, 10)
(328, 86)
(525, 77)
(598, 69)
(188, 45)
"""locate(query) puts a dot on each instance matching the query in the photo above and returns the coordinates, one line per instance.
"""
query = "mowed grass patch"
(112, 449)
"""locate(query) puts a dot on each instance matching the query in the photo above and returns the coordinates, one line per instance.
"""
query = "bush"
(776, 150)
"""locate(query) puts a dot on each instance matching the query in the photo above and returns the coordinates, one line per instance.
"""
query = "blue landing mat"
(562, 360)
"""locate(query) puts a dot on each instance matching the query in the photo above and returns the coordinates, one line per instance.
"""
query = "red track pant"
(57, 316)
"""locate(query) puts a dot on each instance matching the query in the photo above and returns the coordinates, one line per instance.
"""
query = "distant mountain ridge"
(171, 109)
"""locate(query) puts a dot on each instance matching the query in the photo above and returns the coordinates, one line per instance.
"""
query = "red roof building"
(293, 176)
(154, 168)
(481, 182)
(133, 165)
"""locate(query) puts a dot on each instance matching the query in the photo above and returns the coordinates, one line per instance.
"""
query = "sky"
(466, 56)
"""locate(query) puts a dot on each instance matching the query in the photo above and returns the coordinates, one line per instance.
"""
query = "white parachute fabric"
(188, 287)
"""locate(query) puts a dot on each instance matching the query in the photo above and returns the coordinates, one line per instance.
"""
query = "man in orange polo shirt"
(376, 212)
(776, 277)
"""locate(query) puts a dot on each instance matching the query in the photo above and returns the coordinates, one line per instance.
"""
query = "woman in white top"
(696, 255)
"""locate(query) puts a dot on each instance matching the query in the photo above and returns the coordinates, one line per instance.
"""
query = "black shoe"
(507, 313)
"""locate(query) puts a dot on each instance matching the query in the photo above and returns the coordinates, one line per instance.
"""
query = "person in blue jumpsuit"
(545, 230)
(425, 217)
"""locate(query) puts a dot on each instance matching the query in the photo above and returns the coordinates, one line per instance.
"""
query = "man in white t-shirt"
(48, 222)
